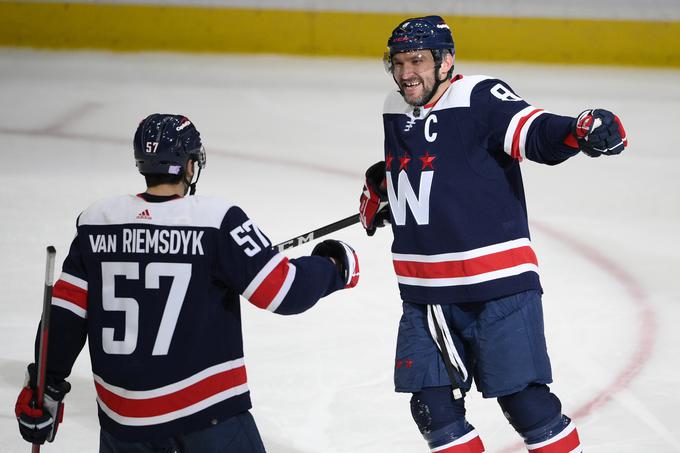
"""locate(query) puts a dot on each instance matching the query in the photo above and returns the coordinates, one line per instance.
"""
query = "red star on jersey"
(427, 160)
(403, 161)
(388, 161)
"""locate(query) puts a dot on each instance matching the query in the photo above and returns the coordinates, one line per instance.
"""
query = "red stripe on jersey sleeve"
(71, 293)
(195, 393)
(518, 131)
(469, 267)
(270, 285)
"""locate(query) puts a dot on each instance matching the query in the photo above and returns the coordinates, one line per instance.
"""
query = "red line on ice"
(647, 326)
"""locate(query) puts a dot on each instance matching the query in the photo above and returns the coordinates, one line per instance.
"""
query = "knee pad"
(441, 420)
(531, 409)
(434, 407)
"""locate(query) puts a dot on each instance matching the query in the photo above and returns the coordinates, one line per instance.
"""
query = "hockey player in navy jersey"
(152, 281)
(451, 187)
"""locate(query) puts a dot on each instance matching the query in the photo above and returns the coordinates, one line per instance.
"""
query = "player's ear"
(189, 170)
(447, 62)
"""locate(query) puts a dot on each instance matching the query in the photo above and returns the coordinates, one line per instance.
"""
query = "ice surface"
(288, 139)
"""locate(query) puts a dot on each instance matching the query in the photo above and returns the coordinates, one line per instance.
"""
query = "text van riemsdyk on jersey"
(142, 240)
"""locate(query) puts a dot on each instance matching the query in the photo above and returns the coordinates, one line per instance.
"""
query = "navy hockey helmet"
(430, 32)
(164, 143)
(419, 33)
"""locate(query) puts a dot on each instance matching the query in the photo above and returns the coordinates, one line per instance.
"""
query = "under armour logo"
(409, 124)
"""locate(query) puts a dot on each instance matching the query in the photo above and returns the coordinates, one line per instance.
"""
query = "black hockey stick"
(44, 331)
(324, 230)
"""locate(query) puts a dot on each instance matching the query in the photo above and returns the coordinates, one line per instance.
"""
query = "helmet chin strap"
(191, 186)
(435, 87)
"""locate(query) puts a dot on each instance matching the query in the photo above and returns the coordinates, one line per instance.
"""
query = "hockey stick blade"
(44, 331)
(314, 234)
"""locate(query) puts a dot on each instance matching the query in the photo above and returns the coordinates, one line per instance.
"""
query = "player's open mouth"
(411, 87)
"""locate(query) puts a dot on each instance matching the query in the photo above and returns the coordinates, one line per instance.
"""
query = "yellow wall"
(203, 29)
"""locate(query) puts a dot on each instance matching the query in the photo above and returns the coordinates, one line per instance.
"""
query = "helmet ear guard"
(199, 157)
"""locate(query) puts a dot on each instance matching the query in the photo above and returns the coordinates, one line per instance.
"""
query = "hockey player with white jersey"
(451, 187)
(152, 282)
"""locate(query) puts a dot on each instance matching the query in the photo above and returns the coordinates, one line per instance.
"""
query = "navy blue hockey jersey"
(154, 287)
(455, 190)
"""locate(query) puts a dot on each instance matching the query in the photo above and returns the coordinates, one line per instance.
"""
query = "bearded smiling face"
(414, 73)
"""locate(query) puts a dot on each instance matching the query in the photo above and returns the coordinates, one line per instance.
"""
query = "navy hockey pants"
(501, 343)
(237, 434)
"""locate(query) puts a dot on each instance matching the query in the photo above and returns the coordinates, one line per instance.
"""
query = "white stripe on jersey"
(525, 131)
(512, 129)
(70, 306)
(466, 255)
(512, 126)
(288, 282)
(75, 281)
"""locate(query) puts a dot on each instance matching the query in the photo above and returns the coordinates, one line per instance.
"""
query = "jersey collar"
(157, 198)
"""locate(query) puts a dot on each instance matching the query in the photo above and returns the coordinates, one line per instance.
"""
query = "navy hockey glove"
(38, 425)
(599, 132)
(344, 257)
(373, 205)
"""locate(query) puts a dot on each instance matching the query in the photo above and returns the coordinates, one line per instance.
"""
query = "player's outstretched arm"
(373, 204)
(525, 131)
(268, 279)
(332, 266)
(594, 132)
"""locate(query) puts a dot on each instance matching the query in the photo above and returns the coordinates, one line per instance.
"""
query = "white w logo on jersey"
(420, 205)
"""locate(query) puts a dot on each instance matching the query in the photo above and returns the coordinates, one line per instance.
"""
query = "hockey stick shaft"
(44, 331)
(314, 234)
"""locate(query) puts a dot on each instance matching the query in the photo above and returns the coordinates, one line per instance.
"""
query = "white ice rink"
(288, 139)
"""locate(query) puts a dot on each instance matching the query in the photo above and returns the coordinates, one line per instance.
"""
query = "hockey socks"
(536, 414)
(446, 440)
(561, 437)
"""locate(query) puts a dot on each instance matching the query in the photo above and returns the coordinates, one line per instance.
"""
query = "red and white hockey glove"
(344, 257)
(599, 132)
(38, 425)
(373, 205)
